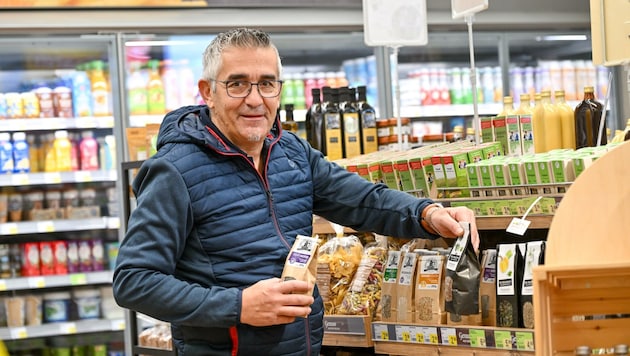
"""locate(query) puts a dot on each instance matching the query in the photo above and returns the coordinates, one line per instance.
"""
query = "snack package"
(405, 288)
(463, 274)
(301, 262)
(364, 294)
(387, 306)
(337, 261)
(428, 298)
(488, 287)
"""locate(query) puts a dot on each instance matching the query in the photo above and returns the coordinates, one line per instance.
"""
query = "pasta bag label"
(301, 262)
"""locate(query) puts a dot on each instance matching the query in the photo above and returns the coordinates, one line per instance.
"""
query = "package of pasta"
(301, 262)
(364, 294)
(337, 261)
(463, 273)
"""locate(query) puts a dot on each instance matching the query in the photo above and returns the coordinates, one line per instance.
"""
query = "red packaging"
(46, 258)
(30, 259)
(60, 252)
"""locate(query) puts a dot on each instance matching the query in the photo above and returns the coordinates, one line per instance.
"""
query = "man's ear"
(205, 90)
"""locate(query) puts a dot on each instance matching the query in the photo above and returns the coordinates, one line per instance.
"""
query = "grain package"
(405, 288)
(301, 262)
(463, 273)
(364, 294)
(488, 287)
(534, 256)
(428, 298)
(387, 306)
(337, 261)
(509, 261)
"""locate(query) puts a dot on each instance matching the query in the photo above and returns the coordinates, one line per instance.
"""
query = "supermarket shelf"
(323, 226)
(55, 123)
(450, 110)
(47, 226)
(143, 350)
(25, 179)
(68, 280)
(62, 328)
(143, 120)
(413, 339)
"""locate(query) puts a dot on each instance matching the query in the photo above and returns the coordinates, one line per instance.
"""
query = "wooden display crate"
(581, 306)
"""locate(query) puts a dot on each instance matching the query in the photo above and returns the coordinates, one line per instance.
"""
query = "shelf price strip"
(380, 332)
(503, 339)
(403, 333)
(477, 338)
(524, 340)
(449, 336)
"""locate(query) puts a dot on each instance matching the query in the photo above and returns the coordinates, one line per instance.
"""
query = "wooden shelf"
(323, 226)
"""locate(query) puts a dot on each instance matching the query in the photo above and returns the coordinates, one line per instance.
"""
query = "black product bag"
(463, 276)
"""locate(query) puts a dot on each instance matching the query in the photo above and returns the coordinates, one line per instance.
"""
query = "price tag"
(431, 336)
(403, 333)
(518, 226)
(3, 285)
(19, 333)
(113, 223)
(419, 336)
(449, 336)
(118, 325)
(45, 226)
(78, 279)
(83, 176)
(477, 338)
(20, 179)
(525, 340)
(37, 282)
(381, 332)
(68, 328)
(52, 178)
(503, 339)
(9, 229)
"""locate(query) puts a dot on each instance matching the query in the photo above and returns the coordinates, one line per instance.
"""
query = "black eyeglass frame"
(249, 90)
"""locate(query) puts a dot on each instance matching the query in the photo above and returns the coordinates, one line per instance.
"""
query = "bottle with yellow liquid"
(551, 123)
(62, 148)
(566, 120)
(100, 90)
(524, 112)
(537, 125)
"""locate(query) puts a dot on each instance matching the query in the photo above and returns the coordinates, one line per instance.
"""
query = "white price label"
(52, 178)
(83, 176)
(381, 332)
(36, 282)
(118, 324)
(45, 226)
(9, 229)
(68, 328)
(518, 226)
(19, 333)
(20, 179)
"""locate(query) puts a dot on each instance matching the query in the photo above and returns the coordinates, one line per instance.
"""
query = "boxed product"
(429, 299)
(488, 287)
(405, 289)
(534, 256)
(487, 130)
(509, 274)
(500, 176)
(544, 173)
(514, 138)
(517, 176)
(527, 134)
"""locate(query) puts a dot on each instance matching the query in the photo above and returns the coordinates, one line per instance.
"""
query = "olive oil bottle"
(332, 126)
(315, 133)
(367, 117)
(350, 128)
(587, 116)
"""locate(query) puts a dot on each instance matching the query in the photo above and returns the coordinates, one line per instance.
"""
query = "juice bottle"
(537, 125)
(6, 153)
(88, 148)
(299, 99)
(587, 116)
(171, 88)
(137, 90)
(566, 120)
(155, 89)
(21, 157)
(187, 83)
(34, 152)
(62, 148)
(74, 151)
(551, 122)
(524, 112)
(81, 93)
(50, 162)
(100, 90)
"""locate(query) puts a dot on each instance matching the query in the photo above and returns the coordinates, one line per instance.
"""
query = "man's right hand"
(273, 302)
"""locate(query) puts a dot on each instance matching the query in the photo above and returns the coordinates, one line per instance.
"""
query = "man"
(221, 203)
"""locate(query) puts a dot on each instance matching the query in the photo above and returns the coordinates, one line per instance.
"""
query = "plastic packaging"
(21, 156)
(56, 307)
(88, 303)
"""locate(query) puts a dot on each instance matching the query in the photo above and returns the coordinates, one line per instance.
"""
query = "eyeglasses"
(242, 88)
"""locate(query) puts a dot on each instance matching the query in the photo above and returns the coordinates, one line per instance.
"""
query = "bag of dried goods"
(364, 294)
(337, 262)
(301, 262)
(463, 272)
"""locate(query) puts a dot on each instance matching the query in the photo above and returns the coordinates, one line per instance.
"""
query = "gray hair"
(240, 38)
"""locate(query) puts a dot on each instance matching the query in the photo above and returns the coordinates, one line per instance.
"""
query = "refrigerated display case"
(59, 219)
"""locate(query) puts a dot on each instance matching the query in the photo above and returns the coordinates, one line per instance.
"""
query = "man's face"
(247, 120)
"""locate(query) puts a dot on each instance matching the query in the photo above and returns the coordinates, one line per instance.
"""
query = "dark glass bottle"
(587, 117)
(315, 122)
(367, 117)
(351, 127)
(289, 123)
(332, 124)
